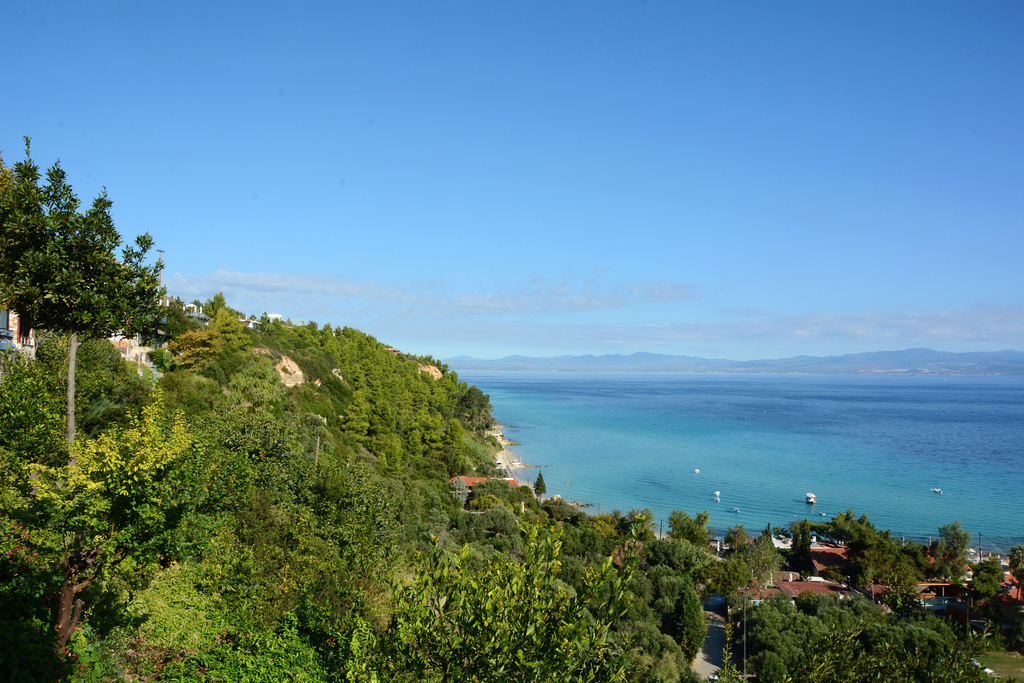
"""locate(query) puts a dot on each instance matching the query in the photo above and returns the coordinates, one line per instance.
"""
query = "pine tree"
(538, 487)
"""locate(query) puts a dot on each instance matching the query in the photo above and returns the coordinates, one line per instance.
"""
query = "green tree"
(539, 487)
(763, 559)
(109, 503)
(690, 623)
(197, 348)
(950, 552)
(31, 416)
(736, 538)
(902, 586)
(213, 306)
(259, 384)
(723, 578)
(1017, 566)
(800, 550)
(511, 621)
(695, 530)
(231, 330)
(987, 578)
(59, 269)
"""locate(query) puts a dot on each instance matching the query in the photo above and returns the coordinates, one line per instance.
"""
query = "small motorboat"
(734, 510)
(938, 491)
(718, 496)
(811, 499)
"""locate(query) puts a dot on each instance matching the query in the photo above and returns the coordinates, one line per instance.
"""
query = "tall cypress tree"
(538, 487)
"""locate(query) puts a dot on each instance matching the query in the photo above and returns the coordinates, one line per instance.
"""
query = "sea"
(878, 445)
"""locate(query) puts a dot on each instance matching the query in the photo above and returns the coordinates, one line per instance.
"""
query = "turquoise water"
(876, 445)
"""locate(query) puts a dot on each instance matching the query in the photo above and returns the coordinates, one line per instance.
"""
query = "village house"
(15, 333)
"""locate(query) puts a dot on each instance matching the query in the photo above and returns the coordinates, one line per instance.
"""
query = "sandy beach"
(507, 460)
(512, 465)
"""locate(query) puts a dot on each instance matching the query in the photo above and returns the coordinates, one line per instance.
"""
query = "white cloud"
(543, 315)
(431, 298)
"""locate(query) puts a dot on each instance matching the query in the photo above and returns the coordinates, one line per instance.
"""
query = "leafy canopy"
(58, 266)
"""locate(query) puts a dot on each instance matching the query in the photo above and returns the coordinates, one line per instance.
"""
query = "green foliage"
(724, 578)
(214, 306)
(877, 556)
(108, 390)
(475, 409)
(539, 487)
(800, 549)
(1016, 560)
(28, 580)
(950, 552)
(695, 531)
(510, 621)
(763, 559)
(196, 349)
(31, 418)
(902, 592)
(736, 538)
(279, 654)
(841, 640)
(108, 503)
(230, 329)
(987, 578)
(691, 625)
(258, 385)
(59, 267)
(163, 360)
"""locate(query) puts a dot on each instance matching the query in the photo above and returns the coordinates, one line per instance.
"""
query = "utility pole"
(161, 258)
(744, 635)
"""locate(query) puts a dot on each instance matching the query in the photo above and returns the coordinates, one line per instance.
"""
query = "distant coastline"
(916, 362)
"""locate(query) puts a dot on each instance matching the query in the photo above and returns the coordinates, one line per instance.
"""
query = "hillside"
(309, 504)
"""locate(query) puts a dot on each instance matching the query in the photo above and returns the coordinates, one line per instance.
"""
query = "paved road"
(710, 657)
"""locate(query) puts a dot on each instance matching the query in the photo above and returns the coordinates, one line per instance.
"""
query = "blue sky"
(722, 179)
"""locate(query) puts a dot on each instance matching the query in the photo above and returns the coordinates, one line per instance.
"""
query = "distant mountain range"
(907, 362)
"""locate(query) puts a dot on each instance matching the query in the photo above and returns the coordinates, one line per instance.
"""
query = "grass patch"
(175, 613)
(1008, 664)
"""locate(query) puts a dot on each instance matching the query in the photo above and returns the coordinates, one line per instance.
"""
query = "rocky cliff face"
(431, 370)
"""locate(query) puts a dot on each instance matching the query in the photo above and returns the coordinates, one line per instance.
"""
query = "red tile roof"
(470, 482)
(824, 557)
(795, 588)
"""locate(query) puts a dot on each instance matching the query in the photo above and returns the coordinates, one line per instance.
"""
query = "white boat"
(939, 491)
(718, 496)
(811, 499)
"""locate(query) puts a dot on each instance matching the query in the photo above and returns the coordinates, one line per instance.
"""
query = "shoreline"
(509, 462)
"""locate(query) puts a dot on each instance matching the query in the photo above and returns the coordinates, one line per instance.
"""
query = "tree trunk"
(69, 607)
(72, 355)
